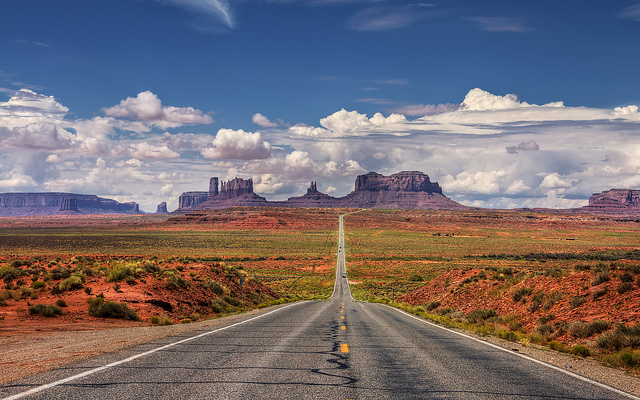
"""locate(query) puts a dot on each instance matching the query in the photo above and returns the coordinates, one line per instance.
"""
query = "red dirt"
(153, 297)
(497, 295)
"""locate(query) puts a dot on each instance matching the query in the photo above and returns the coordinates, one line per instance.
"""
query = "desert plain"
(565, 282)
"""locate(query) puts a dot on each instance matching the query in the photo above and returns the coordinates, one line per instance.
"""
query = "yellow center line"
(343, 327)
(341, 317)
(344, 348)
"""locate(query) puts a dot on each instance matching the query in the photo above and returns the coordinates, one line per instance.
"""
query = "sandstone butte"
(403, 190)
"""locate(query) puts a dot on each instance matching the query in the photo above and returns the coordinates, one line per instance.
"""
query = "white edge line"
(564, 371)
(126, 360)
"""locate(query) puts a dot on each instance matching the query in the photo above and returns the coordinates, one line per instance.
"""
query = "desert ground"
(570, 283)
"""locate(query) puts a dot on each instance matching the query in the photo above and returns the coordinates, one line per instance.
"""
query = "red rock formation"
(19, 204)
(405, 181)
(162, 208)
(407, 189)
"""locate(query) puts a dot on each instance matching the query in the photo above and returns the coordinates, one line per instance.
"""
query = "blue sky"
(505, 103)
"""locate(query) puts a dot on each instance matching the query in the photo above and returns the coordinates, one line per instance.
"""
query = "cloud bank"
(490, 150)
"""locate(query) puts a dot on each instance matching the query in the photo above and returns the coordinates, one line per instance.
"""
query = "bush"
(219, 306)
(620, 337)
(626, 277)
(577, 302)
(600, 278)
(599, 293)
(545, 330)
(233, 301)
(580, 350)
(45, 310)
(432, 305)
(155, 320)
(536, 302)
(73, 282)
(584, 330)
(214, 286)
(177, 282)
(98, 307)
(557, 346)
(61, 303)
(120, 272)
(38, 284)
(10, 273)
(60, 273)
(416, 278)
(508, 335)
(522, 293)
(480, 315)
(625, 287)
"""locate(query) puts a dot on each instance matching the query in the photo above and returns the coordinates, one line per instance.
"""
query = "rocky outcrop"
(162, 208)
(20, 204)
(192, 199)
(405, 181)
(407, 189)
(614, 202)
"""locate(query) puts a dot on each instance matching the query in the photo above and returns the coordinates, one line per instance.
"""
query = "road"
(335, 349)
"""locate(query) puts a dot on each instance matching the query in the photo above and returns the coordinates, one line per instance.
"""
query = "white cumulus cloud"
(146, 106)
(230, 144)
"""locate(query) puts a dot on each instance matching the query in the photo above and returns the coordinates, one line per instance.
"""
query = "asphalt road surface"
(335, 349)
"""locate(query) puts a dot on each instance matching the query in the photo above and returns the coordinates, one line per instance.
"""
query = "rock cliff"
(162, 208)
(407, 189)
(614, 202)
(405, 181)
(54, 203)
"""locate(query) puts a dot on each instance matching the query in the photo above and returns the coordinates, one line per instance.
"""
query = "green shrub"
(480, 315)
(622, 336)
(545, 330)
(626, 277)
(61, 303)
(584, 330)
(120, 272)
(75, 281)
(45, 310)
(415, 278)
(177, 282)
(155, 320)
(536, 302)
(508, 335)
(233, 301)
(38, 284)
(219, 306)
(432, 305)
(9, 273)
(546, 318)
(577, 302)
(522, 293)
(580, 350)
(98, 307)
(557, 346)
(625, 287)
(60, 273)
(214, 286)
(600, 278)
(599, 293)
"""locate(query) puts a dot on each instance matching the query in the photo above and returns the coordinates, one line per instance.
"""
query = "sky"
(505, 103)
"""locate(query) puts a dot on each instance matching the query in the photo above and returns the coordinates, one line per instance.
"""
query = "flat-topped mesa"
(58, 203)
(617, 197)
(162, 208)
(235, 187)
(405, 181)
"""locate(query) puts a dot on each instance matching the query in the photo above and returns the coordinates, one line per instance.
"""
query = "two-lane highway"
(337, 349)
